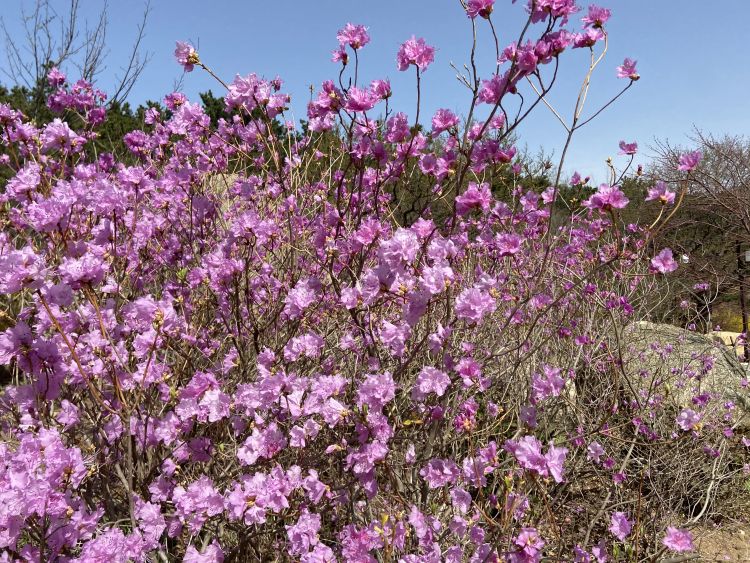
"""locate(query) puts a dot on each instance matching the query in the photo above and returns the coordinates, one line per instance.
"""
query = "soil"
(725, 544)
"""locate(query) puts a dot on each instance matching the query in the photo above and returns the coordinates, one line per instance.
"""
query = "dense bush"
(242, 348)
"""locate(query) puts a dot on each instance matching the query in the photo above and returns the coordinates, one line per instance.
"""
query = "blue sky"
(691, 56)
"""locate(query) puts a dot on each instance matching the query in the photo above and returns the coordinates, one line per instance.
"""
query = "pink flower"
(381, 88)
(576, 180)
(186, 55)
(415, 52)
(443, 120)
(355, 36)
(664, 262)
(688, 419)
(55, 77)
(595, 451)
(548, 385)
(360, 99)
(528, 453)
(340, 56)
(677, 539)
(212, 554)
(508, 244)
(482, 8)
(475, 197)
(376, 390)
(661, 193)
(430, 380)
(627, 70)
(473, 304)
(607, 197)
(439, 472)
(304, 534)
(394, 337)
(541, 10)
(596, 17)
(588, 38)
(689, 161)
(628, 148)
(494, 89)
(620, 526)
(530, 543)
(555, 460)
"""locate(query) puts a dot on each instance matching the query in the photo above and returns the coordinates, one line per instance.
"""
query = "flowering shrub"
(248, 346)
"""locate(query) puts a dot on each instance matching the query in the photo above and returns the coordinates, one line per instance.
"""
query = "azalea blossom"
(664, 262)
(186, 55)
(355, 36)
(627, 70)
(628, 148)
(679, 540)
(660, 192)
(415, 52)
(606, 198)
(596, 16)
(481, 8)
(688, 419)
(620, 526)
(689, 161)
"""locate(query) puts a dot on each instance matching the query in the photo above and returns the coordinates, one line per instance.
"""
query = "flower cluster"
(358, 340)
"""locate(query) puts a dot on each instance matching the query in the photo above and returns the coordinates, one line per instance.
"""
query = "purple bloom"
(628, 148)
(301, 297)
(530, 543)
(415, 52)
(481, 8)
(430, 380)
(596, 17)
(508, 244)
(664, 262)
(360, 100)
(304, 534)
(88, 269)
(376, 391)
(588, 38)
(600, 552)
(607, 197)
(381, 88)
(495, 88)
(55, 77)
(688, 419)
(661, 193)
(355, 36)
(476, 196)
(473, 304)
(627, 70)
(528, 452)
(440, 472)
(595, 451)
(555, 459)
(550, 384)
(399, 249)
(620, 526)
(186, 55)
(443, 120)
(58, 135)
(689, 161)
(461, 500)
(212, 554)
(679, 540)
(340, 55)
(394, 337)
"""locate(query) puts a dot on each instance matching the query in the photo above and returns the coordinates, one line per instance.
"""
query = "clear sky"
(692, 56)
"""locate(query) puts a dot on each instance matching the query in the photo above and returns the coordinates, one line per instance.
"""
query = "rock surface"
(687, 348)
